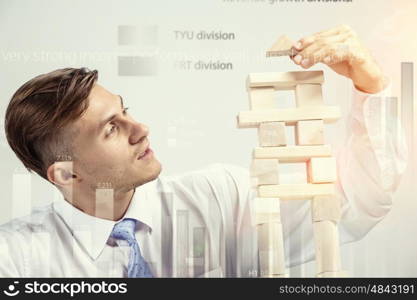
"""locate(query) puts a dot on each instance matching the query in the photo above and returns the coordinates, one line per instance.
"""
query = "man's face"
(110, 145)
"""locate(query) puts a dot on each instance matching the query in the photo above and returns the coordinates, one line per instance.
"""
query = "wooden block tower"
(309, 115)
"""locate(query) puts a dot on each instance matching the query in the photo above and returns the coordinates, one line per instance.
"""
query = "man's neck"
(103, 203)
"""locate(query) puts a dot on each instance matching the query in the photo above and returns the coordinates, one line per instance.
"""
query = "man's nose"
(138, 133)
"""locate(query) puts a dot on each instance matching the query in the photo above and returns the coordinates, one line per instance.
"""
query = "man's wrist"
(368, 78)
(373, 85)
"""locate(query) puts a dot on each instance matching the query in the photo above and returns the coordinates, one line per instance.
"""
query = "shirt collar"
(91, 232)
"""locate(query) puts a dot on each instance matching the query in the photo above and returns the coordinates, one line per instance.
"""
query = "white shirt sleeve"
(245, 255)
(371, 162)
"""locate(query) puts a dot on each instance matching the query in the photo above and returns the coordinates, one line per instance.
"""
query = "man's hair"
(39, 113)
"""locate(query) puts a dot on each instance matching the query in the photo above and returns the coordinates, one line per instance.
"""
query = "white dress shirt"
(200, 223)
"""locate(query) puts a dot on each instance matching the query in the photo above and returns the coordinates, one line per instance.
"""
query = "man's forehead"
(101, 102)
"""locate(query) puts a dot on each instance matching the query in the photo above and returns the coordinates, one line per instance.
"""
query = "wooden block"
(338, 274)
(267, 205)
(270, 237)
(326, 239)
(282, 47)
(272, 134)
(271, 249)
(284, 80)
(271, 263)
(267, 210)
(290, 116)
(276, 276)
(263, 218)
(308, 95)
(261, 98)
(254, 182)
(309, 132)
(296, 191)
(321, 170)
(326, 208)
(292, 153)
(265, 170)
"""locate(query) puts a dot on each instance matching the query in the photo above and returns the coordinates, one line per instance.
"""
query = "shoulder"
(217, 173)
(22, 228)
(17, 238)
(219, 180)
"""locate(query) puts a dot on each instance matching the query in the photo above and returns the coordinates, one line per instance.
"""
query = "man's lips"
(143, 153)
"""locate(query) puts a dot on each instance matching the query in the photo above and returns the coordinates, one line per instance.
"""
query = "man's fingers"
(304, 42)
(330, 55)
(308, 56)
(307, 41)
(333, 31)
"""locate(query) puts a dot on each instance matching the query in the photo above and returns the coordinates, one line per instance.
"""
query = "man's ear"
(61, 173)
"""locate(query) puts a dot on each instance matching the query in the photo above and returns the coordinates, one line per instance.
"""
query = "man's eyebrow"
(105, 121)
(121, 101)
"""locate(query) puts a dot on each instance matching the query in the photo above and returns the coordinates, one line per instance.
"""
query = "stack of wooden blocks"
(308, 115)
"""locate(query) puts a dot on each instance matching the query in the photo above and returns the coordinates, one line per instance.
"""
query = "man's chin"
(157, 171)
(151, 174)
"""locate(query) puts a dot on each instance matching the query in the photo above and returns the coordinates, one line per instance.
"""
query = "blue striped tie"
(125, 230)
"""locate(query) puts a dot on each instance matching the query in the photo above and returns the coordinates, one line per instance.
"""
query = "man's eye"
(125, 110)
(111, 130)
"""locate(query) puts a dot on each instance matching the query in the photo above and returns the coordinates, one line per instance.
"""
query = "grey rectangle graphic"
(137, 66)
(138, 35)
(407, 104)
(182, 243)
(199, 250)
(166, 234)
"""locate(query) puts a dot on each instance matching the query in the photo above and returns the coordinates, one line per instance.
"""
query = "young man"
(119, 218)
